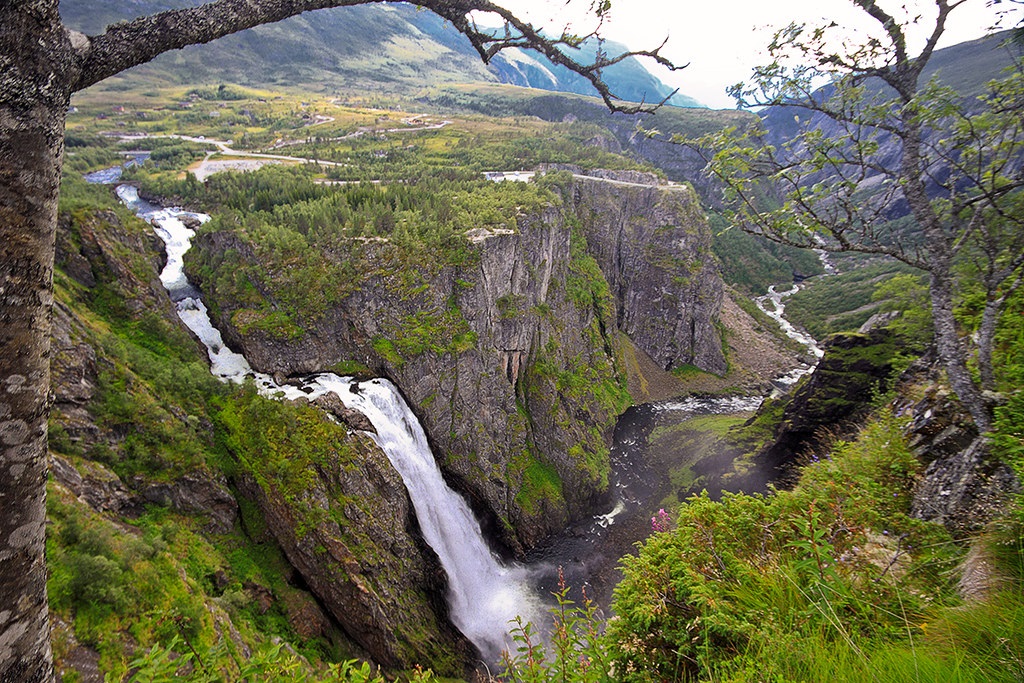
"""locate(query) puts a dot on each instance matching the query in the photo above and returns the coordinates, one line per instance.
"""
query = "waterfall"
(484, 595)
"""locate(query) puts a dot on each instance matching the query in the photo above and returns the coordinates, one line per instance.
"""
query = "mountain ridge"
(380, 48)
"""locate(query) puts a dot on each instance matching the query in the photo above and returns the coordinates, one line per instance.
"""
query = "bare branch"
(891, 26)
(130, 43)
(521, 34)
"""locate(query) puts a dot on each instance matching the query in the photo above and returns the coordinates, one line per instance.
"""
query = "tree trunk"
(987, 339)
(938, 246)
(950, 348)
(34, 96)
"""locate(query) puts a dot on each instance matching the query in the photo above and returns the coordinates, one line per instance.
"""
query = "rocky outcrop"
(659, 268)
(94, 484)
(965, 490)
(351, 535)
(513, 359)
(347, 416)
(195, 493)
(963, 487)
(831, 402)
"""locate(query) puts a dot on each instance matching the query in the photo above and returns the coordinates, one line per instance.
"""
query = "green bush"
(836, 560)
(576, 650)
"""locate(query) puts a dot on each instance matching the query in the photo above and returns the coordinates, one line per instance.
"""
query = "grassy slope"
(831, 580)
(118, 585)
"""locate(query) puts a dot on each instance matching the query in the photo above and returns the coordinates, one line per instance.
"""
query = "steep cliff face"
(513, 358)
(341, 514)
(660, 270)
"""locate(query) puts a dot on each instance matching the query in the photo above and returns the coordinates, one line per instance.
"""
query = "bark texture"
(33, 104)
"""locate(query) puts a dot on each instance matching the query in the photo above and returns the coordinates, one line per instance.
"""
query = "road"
(253, 160)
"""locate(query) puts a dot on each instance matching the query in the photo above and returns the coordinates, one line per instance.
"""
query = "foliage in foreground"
(277, 663)
(830, 581)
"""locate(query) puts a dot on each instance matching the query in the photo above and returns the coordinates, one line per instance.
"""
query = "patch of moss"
(540, 485)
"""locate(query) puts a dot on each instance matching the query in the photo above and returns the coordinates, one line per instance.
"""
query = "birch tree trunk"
(33, 104)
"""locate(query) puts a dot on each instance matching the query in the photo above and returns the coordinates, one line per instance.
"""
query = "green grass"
(841, 302)
(541, 486)
(771, 584)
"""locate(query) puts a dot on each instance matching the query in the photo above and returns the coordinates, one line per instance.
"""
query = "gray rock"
(353, 418)
(964, 490)
(93, 483)
(196, 493)
(964, 486)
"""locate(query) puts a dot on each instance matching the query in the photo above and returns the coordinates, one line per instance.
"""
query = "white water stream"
(772, 304)
(484, 595)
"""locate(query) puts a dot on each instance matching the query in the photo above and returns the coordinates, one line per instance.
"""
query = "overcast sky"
(723, 39)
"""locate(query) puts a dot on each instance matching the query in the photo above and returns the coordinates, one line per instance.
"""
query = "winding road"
(249, 161)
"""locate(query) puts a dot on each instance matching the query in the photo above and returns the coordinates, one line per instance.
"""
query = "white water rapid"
(772, 304)
(484, 595)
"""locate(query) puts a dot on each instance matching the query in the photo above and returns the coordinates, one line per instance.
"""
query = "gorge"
(516, 354)
(484, 596)
(523, 344)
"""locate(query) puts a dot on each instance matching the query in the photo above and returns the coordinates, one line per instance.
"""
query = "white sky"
(723, 39)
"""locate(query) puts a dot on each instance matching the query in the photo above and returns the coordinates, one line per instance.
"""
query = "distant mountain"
(629, 79)
(966, 67)
(378, 48)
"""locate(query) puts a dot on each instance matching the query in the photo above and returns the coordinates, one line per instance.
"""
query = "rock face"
(513, 360)
(659, 269)
(196, 493)
(963, 486)
(360, 554)
(832, 401)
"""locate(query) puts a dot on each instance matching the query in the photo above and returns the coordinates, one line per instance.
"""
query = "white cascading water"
(777, 311)
(484, 595)
(771, 304)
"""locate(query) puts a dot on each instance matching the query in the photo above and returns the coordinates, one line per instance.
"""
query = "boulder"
(195, 493)
(963, 487)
